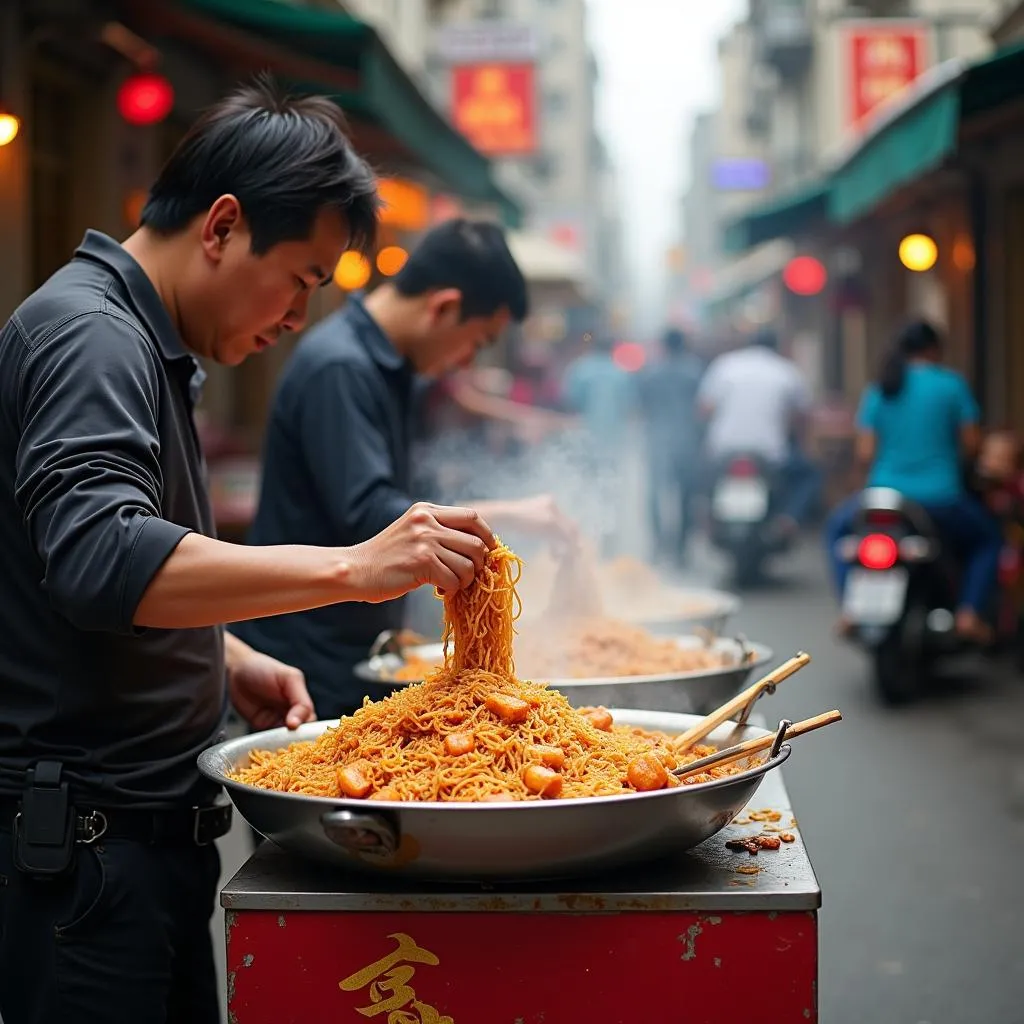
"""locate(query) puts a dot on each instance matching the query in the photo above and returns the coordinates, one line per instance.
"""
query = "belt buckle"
(210, 823)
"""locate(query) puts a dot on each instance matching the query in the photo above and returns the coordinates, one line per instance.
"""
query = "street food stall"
(700, 937)
(475, 848)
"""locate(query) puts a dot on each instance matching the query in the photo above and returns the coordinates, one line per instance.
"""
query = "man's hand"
(430, 545)
(266, 692)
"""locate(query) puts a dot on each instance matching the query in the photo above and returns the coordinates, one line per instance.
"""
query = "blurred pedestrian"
(604, 395)
(668, 401)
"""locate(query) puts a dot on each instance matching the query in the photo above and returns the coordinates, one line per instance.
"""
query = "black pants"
(123, 938)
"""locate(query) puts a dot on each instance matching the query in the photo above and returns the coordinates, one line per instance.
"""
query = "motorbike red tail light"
(743, 467)
(878, 551)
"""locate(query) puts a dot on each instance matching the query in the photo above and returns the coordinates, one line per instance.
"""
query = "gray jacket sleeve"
(88, 478)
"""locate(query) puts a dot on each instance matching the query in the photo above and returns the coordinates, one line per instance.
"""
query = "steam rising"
(607, 501)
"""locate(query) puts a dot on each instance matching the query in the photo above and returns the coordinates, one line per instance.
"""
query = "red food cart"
(712, 936)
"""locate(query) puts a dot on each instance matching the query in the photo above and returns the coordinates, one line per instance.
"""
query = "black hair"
(674, 340)
(916, 339)
(284, 157)
(472, 256)
(766, 338)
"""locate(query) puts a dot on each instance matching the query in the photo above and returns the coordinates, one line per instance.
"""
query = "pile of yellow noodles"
(400, 747)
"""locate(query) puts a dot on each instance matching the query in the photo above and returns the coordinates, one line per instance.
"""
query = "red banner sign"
(882, 60)
(494, 106)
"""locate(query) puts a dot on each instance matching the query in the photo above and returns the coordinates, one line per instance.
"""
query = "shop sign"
(881, 57)
(493, 105)
(735, 174)
(482, 42)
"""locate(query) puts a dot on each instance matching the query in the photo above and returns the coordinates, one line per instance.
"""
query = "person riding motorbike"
(915, 428)
(756, 401)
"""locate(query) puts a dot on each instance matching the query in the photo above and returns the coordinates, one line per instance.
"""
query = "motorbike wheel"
(900, 666)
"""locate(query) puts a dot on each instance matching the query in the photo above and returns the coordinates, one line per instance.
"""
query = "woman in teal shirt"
(915, 427)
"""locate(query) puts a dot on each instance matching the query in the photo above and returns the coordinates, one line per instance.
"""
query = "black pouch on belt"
(44, 829)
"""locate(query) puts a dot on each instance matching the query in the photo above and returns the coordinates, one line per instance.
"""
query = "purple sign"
(740, 175)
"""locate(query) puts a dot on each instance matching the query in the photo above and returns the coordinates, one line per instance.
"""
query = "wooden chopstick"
(740, 701)
(755, 746)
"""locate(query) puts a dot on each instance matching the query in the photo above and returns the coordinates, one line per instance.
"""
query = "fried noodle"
(472, 731)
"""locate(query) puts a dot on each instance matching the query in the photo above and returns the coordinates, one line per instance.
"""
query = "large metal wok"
(495, 841)
(699, 692)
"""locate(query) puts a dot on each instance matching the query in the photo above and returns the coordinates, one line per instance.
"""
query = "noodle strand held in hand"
(472, 731)
(478, 621)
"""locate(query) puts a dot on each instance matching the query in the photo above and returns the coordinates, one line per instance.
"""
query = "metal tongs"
(743, 703)
(773, 744)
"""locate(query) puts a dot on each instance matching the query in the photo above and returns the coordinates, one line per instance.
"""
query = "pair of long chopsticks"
(740, 701)
(755, 746)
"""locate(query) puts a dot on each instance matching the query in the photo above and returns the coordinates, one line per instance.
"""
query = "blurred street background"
(821, 167)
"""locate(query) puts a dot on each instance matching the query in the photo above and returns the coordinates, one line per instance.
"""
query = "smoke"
(606, 497)
(601, 493)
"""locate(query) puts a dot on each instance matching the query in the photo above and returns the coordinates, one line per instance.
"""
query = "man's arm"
(504, 410)
(89, 484)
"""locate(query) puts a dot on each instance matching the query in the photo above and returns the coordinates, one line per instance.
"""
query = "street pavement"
(914, 820)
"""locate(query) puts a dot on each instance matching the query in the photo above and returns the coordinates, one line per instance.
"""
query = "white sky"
(658, 68)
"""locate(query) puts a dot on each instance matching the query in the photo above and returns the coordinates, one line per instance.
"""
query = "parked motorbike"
(900, 592)
(744, 492)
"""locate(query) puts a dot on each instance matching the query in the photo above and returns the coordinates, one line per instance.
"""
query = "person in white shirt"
(756, 402)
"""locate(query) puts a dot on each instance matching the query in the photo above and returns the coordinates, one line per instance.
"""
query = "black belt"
(198, 826)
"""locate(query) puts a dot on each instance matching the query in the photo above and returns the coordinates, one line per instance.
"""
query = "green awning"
(385, 94)
(905, 149)
(916, 139)
(778, 218)
(924, 134)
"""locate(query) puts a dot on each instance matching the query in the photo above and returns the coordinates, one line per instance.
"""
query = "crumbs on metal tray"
(766, 815)
(754, 844)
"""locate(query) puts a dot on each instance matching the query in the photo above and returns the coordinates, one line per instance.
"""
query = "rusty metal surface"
(709, 877)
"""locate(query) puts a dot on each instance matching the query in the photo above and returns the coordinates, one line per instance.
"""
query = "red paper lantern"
(804, 275)
(145, 99)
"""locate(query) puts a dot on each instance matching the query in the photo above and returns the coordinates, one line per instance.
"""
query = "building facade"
(814, 77)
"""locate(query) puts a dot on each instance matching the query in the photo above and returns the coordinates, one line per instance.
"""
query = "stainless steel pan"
(696, 692)
(495, 841)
